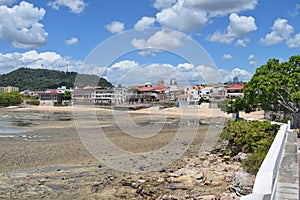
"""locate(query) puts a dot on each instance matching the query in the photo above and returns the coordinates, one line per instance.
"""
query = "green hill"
(42, 79)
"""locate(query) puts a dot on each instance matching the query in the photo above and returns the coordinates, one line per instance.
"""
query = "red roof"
(160, 87)
(237, 86)
(146, 89)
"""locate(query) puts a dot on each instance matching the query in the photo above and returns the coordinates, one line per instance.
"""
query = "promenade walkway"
(287, 187)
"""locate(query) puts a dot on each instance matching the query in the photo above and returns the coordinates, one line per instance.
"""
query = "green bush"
(10, 99)
(252, 137)
(34, 102)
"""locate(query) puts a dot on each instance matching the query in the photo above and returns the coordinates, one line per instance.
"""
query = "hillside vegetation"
(42, 79)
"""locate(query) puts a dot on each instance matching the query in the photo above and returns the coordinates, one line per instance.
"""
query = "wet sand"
(51, 162)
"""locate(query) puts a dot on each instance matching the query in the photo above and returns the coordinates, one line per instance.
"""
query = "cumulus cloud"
(252, 60)
(216, 7)
(33, 59)
(192, 15)
(145, 22)
(242, 74)
(71, 41)
(242, 42)
(20, 25)
(162, 40)
(75, 6)
(227, 57)
(238, 26)
(130, 72)
(294, 42)
(181, 18)
(115, 27)
(7, 2)
(161, 4)
(281, 31)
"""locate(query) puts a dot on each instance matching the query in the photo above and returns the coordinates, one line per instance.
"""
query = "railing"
(265, 181)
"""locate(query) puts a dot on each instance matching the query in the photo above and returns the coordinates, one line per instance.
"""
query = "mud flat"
(49, 160)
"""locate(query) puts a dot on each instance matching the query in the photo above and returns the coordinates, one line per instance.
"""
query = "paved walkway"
(287, 187)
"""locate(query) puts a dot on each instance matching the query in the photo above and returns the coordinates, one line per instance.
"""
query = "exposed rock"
(206, 163)
(208, 197)
(242, 183)
(213, 178)
(240, 157)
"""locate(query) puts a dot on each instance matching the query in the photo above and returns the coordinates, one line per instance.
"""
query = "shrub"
(252, 137)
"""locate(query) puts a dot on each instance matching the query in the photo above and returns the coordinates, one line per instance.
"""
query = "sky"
(138, 41)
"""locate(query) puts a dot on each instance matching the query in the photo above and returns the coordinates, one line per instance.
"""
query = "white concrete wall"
(265, 180)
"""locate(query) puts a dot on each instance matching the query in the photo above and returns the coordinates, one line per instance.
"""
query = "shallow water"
(12, 126)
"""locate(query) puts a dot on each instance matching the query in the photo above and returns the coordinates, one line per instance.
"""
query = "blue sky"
(238, 36)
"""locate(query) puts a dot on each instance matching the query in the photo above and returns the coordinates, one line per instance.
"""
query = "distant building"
(161, 82)
(218, 93)
(100, 96)
(173, 82)
(235, 80)
(234, 91)
(50, 97)
(184, 100)
(9, 89)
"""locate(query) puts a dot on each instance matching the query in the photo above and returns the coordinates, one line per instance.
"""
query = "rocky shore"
(59, 167)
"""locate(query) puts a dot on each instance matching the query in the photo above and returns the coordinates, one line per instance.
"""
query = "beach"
(50, 160)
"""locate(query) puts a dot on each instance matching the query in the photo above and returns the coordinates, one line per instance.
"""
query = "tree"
(10, 99)
(275, 88)
(67, 95)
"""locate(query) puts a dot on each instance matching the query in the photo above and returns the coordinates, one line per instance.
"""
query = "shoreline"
(172, 111)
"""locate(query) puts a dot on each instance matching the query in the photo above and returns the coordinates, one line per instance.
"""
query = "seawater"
(10, 126)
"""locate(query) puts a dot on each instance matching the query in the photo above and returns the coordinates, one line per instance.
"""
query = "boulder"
(242, 183)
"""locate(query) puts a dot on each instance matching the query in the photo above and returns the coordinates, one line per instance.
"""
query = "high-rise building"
(173, 82)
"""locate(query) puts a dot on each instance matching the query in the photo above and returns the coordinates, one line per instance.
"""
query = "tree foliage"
(42, 79)
(67, 95)
(10, 99)
(275, 87)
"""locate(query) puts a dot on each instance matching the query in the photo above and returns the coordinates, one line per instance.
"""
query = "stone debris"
(207, 176)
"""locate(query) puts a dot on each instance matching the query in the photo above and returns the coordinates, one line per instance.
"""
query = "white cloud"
(238, 26)
(7, 2)
(186, 67)
(251, 57)
(294, 12)
(281, 31)
(294, 42)
(242, 42)
(210, 74)
(252, 60)
(216, 7)
(71, 41)
(33, 59)
(181, 18)
(130, 72)
(192, 15)
(242, 74)
(162, 40)
(20, 25)
(145, 22)
(227, 57)
(115, 27)
(161, 4)
(75, 6)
